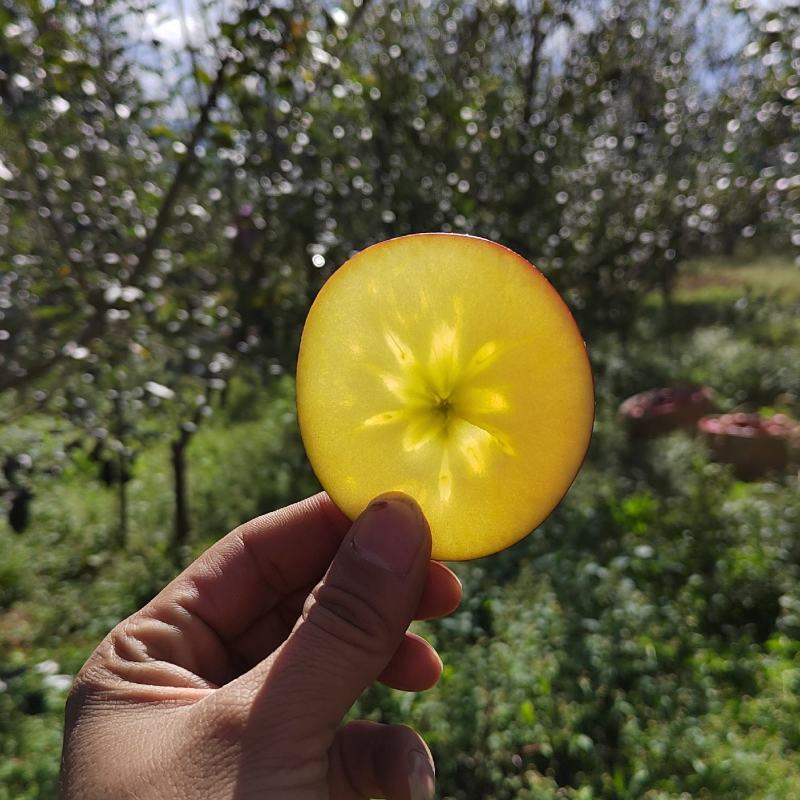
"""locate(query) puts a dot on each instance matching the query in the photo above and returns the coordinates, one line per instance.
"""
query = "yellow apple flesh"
(446, 367)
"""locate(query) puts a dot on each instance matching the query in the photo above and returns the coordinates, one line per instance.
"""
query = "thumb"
(352, 623)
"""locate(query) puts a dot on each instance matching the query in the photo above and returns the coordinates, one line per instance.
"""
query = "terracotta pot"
(659, 411)
(755, 446)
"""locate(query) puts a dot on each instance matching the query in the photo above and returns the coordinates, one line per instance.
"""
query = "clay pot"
(755, 446)
(659, 411)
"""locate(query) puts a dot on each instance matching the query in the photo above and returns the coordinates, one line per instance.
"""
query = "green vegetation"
(643, 643)
(724, 279)
(169, 209)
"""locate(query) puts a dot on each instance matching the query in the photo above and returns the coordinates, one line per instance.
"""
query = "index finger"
(251, 569)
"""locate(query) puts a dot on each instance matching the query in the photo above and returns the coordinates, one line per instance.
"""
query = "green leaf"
(527, 712)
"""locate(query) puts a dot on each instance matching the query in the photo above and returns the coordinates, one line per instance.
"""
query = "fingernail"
(458, 580)
(421, 780)
(390, 533)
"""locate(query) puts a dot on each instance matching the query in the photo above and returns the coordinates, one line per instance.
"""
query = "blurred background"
(177, 180)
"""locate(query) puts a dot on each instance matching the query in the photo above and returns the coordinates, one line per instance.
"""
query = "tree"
(90, 181)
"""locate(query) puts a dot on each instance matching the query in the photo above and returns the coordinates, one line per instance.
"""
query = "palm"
(223, 627)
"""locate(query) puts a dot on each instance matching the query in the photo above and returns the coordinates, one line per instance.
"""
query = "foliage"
(642, 643)
(606, 143)
(168, 211)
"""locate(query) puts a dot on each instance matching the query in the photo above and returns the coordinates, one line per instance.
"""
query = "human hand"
(232, 683)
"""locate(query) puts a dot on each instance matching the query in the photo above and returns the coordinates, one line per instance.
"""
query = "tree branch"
(532, 77)
(181, 176)
(355, 18)
(187, 39)
(92, 328)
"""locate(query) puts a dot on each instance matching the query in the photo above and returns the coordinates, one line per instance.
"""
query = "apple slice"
(446, 367)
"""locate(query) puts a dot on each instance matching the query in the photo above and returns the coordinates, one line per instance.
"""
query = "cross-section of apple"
(446, 367)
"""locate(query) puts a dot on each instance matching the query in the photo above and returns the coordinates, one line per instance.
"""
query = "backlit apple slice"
(448, 368)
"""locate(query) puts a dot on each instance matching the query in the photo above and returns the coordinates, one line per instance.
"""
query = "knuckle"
(345, 615)
(93, 679)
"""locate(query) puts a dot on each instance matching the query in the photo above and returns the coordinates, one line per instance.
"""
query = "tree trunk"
(532, 78)
(181, 527)
(667, 300)
(122, 504)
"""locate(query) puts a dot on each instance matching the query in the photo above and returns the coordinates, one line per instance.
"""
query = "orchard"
(179, 180)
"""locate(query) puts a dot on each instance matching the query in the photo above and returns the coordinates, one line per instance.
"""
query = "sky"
(175, 22)
(176, 25)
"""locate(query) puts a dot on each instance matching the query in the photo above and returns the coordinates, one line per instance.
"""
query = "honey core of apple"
(446, 367)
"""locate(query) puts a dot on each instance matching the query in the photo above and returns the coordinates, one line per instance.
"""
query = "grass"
(62, 586)
(720, 279)
(747, 302)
